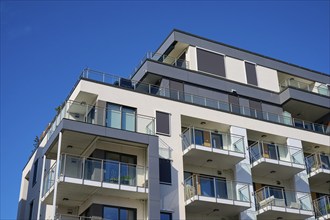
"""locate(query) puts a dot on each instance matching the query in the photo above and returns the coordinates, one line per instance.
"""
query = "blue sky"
(45, 45)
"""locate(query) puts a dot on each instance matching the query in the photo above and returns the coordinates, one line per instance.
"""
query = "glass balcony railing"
(75, 217)
(82, 112)
(322, 206)
(49, 179)
(321, 89)
(262, 149)
(212, 139)
(202, 101)
(105, 171)
(276, 196)
(199, 185)
(317, 161)
(182, 63)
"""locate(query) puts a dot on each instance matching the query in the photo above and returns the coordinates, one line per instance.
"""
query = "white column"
(243, 173)
(41, 186)
(59, 144)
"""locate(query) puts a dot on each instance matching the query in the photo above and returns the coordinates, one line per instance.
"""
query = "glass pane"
(199, 140)
(111, 172)
(127, 175)
(272, 151)
(221, 187)
(93, 170)
(113, 116)
(207, 186)
(325, 163)
(217, 141)
(110, 213)
(127, 214)
(128, 119)
(165, 216)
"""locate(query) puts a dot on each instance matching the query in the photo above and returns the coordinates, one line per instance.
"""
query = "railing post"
(149, 88)
(59, 146)
(215, 189)
(102, 172)
(193, 130)
(119, 170)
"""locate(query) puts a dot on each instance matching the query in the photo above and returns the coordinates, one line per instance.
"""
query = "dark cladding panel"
(251, 74)
(211, 62)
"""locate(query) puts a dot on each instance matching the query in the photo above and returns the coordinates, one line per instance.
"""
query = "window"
(234, 104)
(165, 216)
(165, 171)
(162, 123)
(119, 213)
(256, 109)
(120, 117)
(251, 73)
(31, 210)
(35, 172)
(211, 62)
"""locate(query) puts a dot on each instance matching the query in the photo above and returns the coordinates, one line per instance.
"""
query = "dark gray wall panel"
(252, 57)
(211, 62)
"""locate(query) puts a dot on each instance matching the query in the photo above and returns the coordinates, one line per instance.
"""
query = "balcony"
(203, 194)
(201, 101)
(318, 170)
(280, 161)
(80, 177)
(81, 112)
(317, 88)
(211, 148)
(322, 208)
(75, 217)
(278, 203)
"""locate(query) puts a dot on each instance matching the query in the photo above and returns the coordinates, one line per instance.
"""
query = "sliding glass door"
(120, 117)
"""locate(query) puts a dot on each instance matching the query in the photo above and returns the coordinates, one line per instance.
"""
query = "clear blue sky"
(45, 45)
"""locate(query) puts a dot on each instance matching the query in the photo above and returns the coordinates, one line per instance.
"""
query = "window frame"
(246, 74)
(35, 172)
(170, 172)
(119, 208)
(169, 123)
(121, 107)
(166, 213)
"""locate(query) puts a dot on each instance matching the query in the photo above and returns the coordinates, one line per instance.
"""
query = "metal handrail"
(202, 101)
(228, 136)
(261, 143)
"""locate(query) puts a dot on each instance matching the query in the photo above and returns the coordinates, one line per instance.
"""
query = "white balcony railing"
(98, 170)
(284, 153)
(215, 140)
(80, 111)
(200, 185)
(317, 161)
(279, 197)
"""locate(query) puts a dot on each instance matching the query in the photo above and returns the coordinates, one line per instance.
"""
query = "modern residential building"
(201, 130)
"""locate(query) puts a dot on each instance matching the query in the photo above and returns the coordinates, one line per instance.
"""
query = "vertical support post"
(41, 186)
(59, 145)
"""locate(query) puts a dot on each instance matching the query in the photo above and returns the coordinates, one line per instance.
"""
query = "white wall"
(267, 78)
(235, 69)
(191, 57)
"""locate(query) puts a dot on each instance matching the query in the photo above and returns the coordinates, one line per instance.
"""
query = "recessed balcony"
(279, 203)
(322, 208)
(203, 194)
(212, 148)
(281, 161)
(80, 177)
(308, 86)
(318, 170)
(106, 117)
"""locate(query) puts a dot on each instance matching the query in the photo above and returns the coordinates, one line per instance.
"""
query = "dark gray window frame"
(169, 172)
(251, 77)
(159, 121)
(35, 172)
(219, 69)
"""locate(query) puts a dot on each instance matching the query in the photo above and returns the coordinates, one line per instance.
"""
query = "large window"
(251, 73)
(120, 117)
(31, 210)
(165, 216)
(35, 172)
(211, 62)
(119, 213)
(163, 123)
(165, 171)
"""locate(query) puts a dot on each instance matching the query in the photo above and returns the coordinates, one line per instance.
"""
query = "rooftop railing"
(262, 149)
(82, 112)
(202, 101)
(200, 185)
(321, 89)
(214, 140)
(317, 161)
(182, 63)
(322, 206)
(93, 169)
(279, 197)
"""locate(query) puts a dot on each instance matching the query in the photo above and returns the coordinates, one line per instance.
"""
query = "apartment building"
(200, 130)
